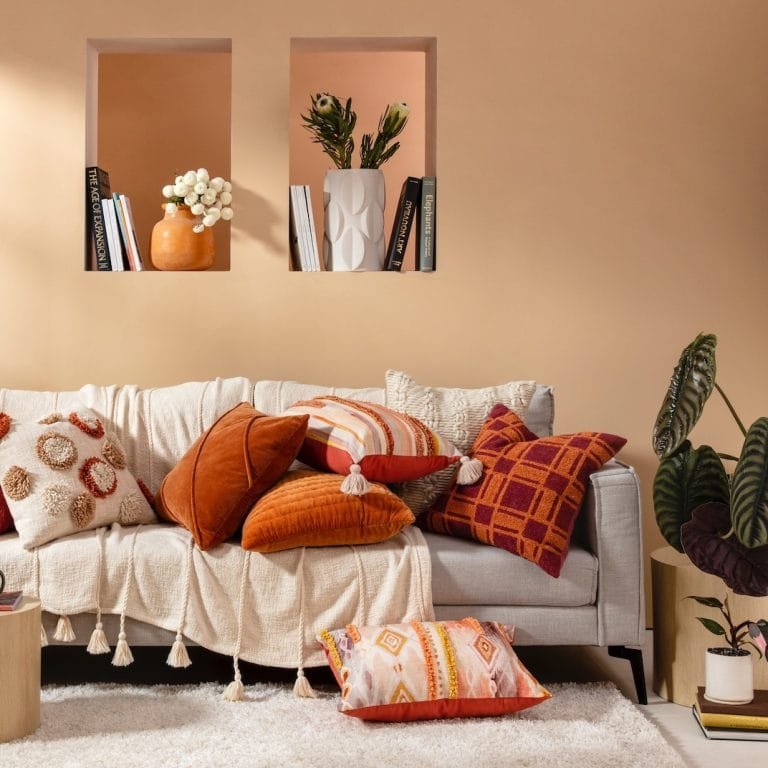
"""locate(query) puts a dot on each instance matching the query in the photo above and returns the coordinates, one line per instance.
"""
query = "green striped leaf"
(749, 497)
(712, 626)
(710, 602)
(683, 481)
(692, 383)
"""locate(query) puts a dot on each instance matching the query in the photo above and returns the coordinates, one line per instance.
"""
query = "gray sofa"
(597, 600)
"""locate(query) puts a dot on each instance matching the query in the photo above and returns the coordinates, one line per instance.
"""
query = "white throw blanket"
(288, 596)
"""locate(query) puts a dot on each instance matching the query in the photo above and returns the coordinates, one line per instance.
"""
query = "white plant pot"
(354, 220)
(728, 678)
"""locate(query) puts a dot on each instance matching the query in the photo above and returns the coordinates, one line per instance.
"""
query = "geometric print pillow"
(530, 493)
(427, 670)
(65, 474)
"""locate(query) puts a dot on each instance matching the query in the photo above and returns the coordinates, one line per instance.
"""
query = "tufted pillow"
(456, 414)
(427, 670)
(214, 485)
(307, 509)
(65, 474)
(531, 490)
(372, 442)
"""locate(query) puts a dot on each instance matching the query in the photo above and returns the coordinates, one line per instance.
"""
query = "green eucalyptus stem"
(731, 409)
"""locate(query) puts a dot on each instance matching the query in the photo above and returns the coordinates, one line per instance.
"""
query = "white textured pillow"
(65, 474)
(454, 413)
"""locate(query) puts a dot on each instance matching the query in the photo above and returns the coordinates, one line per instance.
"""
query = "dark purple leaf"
(744, 570)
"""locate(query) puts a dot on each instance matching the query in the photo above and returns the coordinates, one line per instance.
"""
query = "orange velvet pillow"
(307, 509)
(217, 481)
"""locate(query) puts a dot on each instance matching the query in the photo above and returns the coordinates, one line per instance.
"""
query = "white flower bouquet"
(208, 198)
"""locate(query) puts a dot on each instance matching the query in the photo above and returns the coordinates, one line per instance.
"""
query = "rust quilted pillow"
(308, 509)
(6, 521)
(210, 491)
(531, 490)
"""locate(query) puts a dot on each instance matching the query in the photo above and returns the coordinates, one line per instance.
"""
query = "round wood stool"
(20, 670)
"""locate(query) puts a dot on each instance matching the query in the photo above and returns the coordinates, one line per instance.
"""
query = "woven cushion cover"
(307, 509)
(66, 474)
(427, 670)
(531, 490)
(217, 481)
(389, 447)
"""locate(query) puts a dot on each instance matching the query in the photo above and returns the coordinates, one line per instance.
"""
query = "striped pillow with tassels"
(367, 441)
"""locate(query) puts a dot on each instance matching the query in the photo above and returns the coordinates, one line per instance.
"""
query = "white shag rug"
(591, 726)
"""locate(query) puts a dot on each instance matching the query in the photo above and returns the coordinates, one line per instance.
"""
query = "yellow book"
(752, 716)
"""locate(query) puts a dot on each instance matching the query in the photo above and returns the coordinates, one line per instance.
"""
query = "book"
(122, 228)
(732, 734)
(425, 259)
(403, 221)
(745, 716)
(9, 601)
(113, 237)
(126, 203)
(96, 189)
(305, 256)
(312, 231)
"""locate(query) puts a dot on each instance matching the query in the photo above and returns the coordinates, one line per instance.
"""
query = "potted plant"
(353, 199)
(718, 519)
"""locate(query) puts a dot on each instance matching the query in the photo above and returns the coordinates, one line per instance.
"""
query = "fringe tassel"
(301, 688)
(178, 657)
(355, 483)
(123, 656)
(64, 632)
(98, 643)
(235, 691)
(470, 471)
(43, 636)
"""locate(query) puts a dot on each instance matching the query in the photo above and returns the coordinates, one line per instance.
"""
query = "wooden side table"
(679, 640)
(20, 670)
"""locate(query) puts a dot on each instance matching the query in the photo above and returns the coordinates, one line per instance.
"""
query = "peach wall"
(372, 80)
(603, 197)
(159, 115)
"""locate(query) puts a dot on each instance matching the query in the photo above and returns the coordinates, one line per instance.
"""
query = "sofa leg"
(635, 658)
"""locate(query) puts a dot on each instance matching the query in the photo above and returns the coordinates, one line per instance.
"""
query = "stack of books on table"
(748, 722)
(10, 601)
(305, 255)
(111, 235)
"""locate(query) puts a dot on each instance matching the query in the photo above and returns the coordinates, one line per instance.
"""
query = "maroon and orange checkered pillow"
(530, 493)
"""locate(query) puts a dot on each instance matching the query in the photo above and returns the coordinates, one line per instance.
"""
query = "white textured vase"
(728, 678)
(354, 220)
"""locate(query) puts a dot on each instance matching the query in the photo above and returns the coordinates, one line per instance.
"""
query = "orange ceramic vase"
(174, 246)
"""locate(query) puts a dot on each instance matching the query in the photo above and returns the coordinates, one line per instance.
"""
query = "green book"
(427, 211)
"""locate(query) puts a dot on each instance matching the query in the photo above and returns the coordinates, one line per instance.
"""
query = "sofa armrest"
(611, 520)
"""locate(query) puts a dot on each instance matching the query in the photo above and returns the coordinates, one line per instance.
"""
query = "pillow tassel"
(123, 656)
(235, 690)
(178, 657)
(43, 635)
(301, 688)
(64, 632)
(470, 471)
(98, 643)
(355, 483)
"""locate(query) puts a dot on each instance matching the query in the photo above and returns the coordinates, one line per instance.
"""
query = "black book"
(401, 226)
(96, 188)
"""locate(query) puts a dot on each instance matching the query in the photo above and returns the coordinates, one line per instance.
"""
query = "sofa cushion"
(468, 573)
(386, 446)
(427, 670)
(66, 474)
(308, 509)
(531, 490)
(6, 521)
(456, 414)
(274, 397)
(210, 491)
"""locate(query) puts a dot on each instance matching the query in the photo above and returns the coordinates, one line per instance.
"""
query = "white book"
(301, 226)
(312, 232)
(113, 237)
(128, 214)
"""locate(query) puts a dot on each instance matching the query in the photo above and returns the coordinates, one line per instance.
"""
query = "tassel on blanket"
(301, 688)
(98, 643)
(470, 471)
(43, 637)
(235, 691)
(64, 632)
(178, 657)
(123, 656)
(355, 483)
